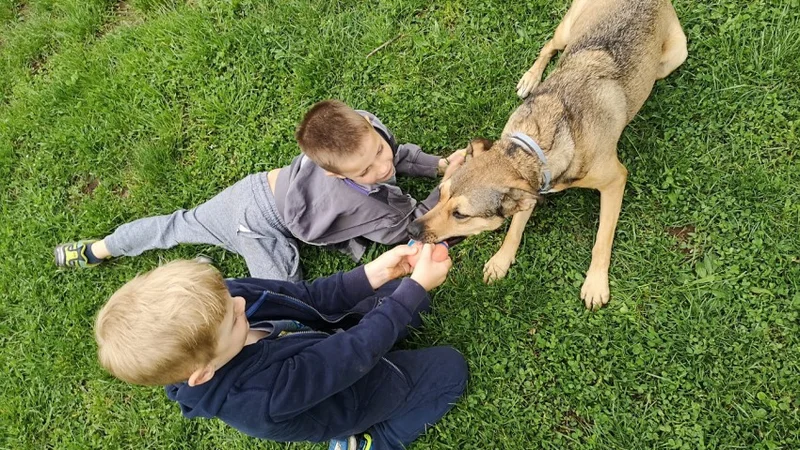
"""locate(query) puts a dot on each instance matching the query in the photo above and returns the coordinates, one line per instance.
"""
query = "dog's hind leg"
(533, 76)
(674, 51)
(497, 267)
(610, 181)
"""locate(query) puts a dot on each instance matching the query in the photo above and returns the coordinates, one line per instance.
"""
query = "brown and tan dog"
(614, 51)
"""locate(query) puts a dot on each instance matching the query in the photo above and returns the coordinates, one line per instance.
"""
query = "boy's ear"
(477, 146)
(331, 174)
(201, 375)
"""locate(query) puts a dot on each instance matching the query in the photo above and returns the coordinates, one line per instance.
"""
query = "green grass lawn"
(113, 111)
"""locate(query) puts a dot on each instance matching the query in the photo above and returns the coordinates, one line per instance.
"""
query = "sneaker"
(73, 254)
(361, 441)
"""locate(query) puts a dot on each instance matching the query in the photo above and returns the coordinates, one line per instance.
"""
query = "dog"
(565, 132)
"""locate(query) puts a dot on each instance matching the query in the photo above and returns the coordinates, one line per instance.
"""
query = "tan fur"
(613, 52)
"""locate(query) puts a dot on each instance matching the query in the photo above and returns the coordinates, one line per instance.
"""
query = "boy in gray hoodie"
(340, 192)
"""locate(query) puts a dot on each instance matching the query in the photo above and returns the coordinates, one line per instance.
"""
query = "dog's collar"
(529, 145)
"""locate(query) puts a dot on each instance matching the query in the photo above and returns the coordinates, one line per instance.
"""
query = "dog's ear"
(516, 200)
(478, 146)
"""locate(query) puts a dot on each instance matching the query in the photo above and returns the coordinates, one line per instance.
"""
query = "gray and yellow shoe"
(76, 254)
(361, 441)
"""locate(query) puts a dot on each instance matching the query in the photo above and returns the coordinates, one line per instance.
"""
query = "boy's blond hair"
(162, 325)
(331, 131)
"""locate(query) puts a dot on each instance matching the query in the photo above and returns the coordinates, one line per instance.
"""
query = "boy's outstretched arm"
(343, 290)
(340, 360)
(411, 160)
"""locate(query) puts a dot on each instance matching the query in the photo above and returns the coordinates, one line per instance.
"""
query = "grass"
(113, 111)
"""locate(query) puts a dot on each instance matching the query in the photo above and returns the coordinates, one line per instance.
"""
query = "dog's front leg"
(497, 266)
(533, 76)
(595, 291)
(561, 38)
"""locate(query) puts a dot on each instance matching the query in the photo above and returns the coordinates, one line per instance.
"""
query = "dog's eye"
(458, 215)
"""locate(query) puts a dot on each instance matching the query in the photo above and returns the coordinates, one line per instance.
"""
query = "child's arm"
(338, 361)
(411, 160)
(329, 295)
(343, 290)
(335, 363)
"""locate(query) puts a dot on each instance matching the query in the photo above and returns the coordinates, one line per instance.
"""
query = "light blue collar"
(529, 145)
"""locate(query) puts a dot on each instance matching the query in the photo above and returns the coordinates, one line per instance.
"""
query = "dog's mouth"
(454, 240)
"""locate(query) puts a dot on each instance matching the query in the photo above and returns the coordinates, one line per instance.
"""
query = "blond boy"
(289, 361)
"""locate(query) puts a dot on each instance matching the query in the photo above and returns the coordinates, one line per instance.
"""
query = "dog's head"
(477, 197)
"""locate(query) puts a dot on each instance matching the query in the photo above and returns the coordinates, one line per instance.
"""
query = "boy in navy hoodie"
(289, 361)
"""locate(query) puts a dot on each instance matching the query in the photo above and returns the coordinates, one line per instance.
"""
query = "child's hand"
(458, 154)
(439, 253)
(454, 161)
(429, 273)
(390, 265)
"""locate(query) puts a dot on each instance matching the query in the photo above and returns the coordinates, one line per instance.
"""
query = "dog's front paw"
(496, 268)
(526, 84)
(595, 292)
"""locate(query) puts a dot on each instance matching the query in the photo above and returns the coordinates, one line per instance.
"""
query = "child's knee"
(453, 369)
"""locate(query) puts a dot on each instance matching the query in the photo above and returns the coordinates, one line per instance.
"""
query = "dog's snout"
(415, 230)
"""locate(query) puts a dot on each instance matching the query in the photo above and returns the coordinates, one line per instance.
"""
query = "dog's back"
(621, 40)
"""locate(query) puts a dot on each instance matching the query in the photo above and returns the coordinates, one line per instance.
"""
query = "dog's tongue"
(454, 240)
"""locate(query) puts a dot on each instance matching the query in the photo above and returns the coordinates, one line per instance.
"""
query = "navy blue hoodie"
(311, 386)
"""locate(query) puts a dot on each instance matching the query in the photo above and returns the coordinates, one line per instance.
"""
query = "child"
(289, 361)
(338, 193)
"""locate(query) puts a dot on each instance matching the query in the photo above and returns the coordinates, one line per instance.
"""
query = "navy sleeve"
(335, 363)
(328, 295)
(337, 292)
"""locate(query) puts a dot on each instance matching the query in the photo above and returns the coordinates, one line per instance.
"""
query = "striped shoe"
(74, 254)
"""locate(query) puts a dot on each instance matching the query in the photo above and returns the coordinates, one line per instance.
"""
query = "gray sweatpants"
(242, 219)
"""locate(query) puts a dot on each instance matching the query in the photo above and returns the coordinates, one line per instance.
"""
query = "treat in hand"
(439, 252)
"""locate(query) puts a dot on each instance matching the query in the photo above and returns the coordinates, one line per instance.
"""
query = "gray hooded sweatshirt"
(323, 210)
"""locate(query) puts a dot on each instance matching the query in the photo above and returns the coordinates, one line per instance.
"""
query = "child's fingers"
(444, 264)
(405, 250)
(455, 163)
(427, 252)
(457, 157)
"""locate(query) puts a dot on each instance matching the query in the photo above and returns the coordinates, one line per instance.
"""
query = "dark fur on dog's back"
(616, 34)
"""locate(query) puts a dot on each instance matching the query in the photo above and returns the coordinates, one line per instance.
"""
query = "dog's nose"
(415, 229)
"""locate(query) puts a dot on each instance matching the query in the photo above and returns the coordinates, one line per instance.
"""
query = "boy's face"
(232, 332)
(373, 163)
